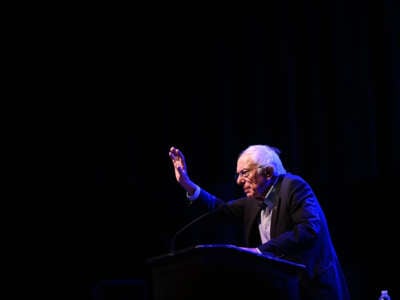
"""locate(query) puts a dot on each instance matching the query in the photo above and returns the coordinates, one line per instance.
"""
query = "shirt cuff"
(195, 194)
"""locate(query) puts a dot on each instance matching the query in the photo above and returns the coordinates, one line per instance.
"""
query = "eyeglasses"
(245, 173)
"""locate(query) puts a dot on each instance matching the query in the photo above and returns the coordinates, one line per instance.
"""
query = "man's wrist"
(195, 194)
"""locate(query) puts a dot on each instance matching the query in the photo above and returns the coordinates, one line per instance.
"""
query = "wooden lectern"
(224, 272)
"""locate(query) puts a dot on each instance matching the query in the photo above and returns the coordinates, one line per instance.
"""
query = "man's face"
(249, 179)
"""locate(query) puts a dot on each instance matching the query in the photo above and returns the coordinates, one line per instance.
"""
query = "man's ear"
(267, 172)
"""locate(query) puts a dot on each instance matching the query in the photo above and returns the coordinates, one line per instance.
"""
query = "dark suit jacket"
(299, 233)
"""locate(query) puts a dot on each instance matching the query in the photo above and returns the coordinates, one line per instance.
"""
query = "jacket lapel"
(252, 234)
(275, 201)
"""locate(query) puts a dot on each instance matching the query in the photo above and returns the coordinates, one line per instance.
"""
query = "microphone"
(199, 218)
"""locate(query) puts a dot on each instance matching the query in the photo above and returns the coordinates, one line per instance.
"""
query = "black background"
(319, 81)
